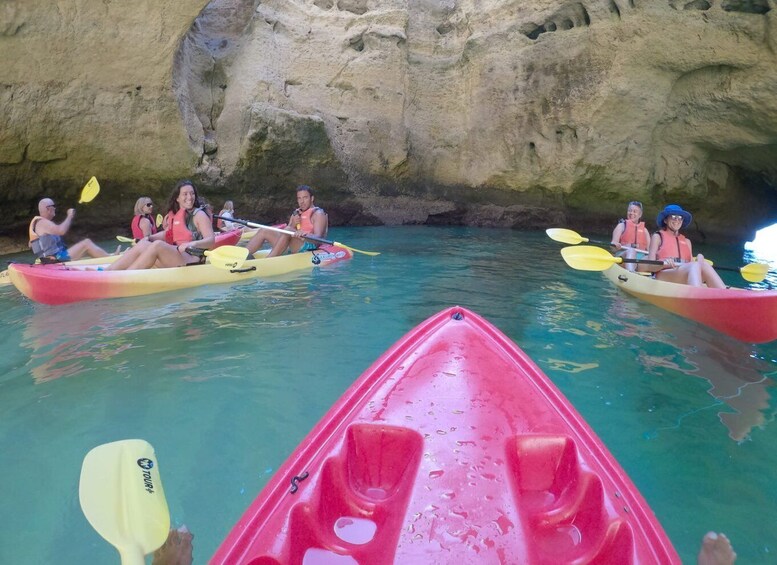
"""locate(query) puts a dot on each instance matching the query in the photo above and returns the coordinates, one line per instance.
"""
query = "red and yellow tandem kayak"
(226, 238)
(60, 284)
(746, 315)
(453, 447)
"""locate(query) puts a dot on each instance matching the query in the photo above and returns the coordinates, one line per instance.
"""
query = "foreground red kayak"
(452, 448)
(746, 315)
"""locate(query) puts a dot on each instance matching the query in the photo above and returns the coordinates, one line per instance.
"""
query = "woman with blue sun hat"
(674, 249)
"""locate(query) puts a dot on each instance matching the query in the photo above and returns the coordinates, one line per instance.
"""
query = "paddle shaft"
(643, 261)
(649, 262)
(732, 269)
(739, 270)
(609, 244)
(279, 230)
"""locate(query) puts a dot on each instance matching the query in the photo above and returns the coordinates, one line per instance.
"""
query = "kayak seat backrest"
(366, 483)
(227, 238)
(563, 504)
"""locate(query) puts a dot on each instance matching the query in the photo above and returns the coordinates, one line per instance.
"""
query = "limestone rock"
(487, 112)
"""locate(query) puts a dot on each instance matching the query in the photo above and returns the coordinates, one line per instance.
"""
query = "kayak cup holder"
(359, 506)
(564, 504)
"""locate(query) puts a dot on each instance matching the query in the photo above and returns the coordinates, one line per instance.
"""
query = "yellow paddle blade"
(370, 253)
(588, 258)
(90, 190)
(159, 220)
(227, 256)
(122, 497)
(565, 236)
(124, 239)
(754, 272)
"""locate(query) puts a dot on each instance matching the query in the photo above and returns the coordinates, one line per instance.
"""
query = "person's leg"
(693, 270)
(260, 237)
(630, 253)
(86, 247)
(716, 550)
(280, 244)
(676, 275)
(129, 256)
(708, 273)
(160, 254)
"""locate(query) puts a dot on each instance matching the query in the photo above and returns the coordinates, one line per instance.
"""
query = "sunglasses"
(149, 205)
(635, 203)
(51, 206)
(674, 217)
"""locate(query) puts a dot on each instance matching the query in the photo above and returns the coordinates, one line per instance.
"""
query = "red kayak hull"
(746, 315)
(453, 447)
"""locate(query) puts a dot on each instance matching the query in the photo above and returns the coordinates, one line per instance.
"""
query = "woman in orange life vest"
(143, 223)
(306, 220)
(674, 250)
(630, 237)
(190, 230)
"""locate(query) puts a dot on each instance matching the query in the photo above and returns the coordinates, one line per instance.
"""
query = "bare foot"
(716, 550)
(177, 549)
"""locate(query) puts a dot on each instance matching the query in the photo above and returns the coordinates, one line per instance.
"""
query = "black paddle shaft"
(643, 261)
(649, 262)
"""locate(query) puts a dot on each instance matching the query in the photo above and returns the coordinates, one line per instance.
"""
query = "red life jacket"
(634, 235)
(181, 228)
(168, 221)
(676, 247)
(135, 225)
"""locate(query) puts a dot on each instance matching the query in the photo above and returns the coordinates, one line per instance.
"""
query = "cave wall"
(487, 112)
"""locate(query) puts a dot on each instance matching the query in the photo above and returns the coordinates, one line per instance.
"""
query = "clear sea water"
(224, 381)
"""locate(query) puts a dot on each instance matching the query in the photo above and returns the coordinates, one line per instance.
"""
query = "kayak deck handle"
(295, 480)
(246, 270)
(623, 278)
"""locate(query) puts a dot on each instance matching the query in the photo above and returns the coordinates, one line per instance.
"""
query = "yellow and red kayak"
(453, 447)
(231, 237)
(64, 283)
(746, 315)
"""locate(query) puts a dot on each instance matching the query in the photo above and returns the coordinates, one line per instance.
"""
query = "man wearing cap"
(674, 249)
(46, 237)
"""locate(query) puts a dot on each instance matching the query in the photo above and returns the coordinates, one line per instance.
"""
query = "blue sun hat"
(670, 210)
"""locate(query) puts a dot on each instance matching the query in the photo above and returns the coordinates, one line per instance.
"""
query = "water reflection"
(559, 310)
(738, 376)
(78, 338)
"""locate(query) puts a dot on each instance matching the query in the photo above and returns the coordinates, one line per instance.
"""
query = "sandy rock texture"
(86, 89)
(522, 113)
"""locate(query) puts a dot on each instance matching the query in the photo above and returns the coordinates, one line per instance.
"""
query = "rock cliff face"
(522, 113)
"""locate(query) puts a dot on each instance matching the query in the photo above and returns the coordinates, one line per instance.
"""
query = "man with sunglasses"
(47, 238)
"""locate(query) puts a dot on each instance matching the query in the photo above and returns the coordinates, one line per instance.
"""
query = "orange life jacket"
(306, 223)
(634, 235)
(673, 246)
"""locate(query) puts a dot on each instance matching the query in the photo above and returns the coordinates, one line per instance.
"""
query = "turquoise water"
(224, 381)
